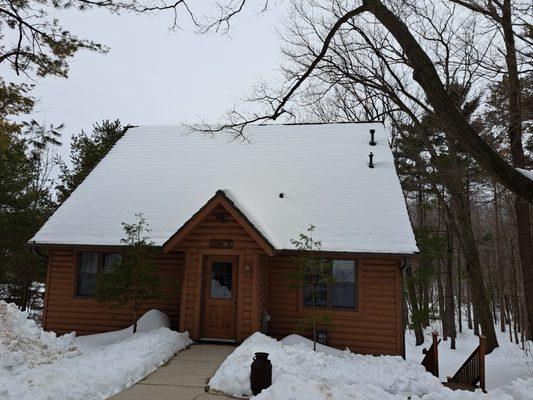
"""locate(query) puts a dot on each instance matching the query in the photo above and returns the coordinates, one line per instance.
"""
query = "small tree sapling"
(309, 273)
(133, 279)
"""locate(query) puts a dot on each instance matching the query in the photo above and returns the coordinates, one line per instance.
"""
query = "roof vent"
(371, 164)
(281, 195)
(372, 141)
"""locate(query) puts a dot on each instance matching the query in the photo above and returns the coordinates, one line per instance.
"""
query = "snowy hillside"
(505, 364)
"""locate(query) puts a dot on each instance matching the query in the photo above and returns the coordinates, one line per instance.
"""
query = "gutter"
(34, 250)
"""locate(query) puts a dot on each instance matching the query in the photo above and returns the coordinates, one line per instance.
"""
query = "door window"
(221, 280)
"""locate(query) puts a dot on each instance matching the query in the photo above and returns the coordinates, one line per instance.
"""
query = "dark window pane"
(343, 270)
(319, 270)
(86, 284)
(343, 295)
(87, 270)
(321, 295)
(88, 263)
(308, 293)
(221, 280)
(110, 259)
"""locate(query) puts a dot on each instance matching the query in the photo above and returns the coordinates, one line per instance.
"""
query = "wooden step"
(459, 386)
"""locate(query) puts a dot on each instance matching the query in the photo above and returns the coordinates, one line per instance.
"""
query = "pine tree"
(312, 272)
(86, 151)
(133, 279)
(25, 194)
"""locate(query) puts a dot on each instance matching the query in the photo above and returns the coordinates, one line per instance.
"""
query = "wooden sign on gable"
(221, 243)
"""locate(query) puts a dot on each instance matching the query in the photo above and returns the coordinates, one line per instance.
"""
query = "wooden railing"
(472, 372)
(431, 360)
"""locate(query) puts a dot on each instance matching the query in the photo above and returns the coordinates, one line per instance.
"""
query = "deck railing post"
(482, 343)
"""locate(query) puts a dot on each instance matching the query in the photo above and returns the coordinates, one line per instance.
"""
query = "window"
(89, 266)
(336, 286)
(221, 277)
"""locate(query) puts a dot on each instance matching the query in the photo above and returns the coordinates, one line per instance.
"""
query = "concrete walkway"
(182, 378)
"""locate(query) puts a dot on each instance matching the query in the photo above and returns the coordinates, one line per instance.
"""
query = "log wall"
(375, 328)
(65, 313)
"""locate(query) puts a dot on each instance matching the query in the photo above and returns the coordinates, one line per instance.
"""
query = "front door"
(220, 297)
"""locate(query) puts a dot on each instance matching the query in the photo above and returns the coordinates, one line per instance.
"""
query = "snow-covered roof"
(169, 172)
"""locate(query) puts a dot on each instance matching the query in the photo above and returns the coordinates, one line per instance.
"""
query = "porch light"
(222, 217)
(371, 164)
(248, 270)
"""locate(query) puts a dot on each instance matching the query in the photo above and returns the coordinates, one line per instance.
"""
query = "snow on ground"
(150, 321)
(38, 365)
(300, 340)
(528, 173)
(330, 374)
(504, 364)
(24, 344)
(299, 362)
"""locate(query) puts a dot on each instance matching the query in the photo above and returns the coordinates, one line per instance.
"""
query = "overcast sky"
(155, 76)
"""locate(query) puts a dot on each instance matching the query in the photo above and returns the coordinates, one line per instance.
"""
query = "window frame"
(99, 269)
(329, 306)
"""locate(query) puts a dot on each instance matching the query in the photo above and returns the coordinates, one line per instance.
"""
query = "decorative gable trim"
(220, 198)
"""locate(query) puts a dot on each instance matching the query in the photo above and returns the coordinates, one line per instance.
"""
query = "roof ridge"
(182, 124)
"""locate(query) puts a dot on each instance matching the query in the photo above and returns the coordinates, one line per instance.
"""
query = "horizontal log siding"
(65, 313)
(259, 289)
(196, 245)
(376, 328)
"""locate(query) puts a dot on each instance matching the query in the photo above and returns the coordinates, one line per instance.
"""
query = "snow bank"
(505, 364)
(292, 340)
(289, 387)
(24, 344)
(330, 374)
(519, 389)
(319, 370)
(151, 320)
(98, 374)
(39, 365)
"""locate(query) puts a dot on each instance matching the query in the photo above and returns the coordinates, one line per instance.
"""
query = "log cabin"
(223, 213)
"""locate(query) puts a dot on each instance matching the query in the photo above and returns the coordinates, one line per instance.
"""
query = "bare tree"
(508, 18)
(406, 44)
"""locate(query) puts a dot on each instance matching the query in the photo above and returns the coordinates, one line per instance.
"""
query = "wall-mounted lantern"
(247, 270)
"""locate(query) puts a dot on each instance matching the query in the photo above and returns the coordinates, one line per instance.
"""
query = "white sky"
(155, 76)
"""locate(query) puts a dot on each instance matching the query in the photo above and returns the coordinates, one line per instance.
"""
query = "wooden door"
(220, 297)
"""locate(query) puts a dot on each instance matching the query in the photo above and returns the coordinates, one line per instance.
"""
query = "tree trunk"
(521, 207)
(441, 300)
(460, 207)
(499, 265)
(135, 312)
(415, 312)
(475, 318)
(450, 306)
(469, 308)
(459, 294)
